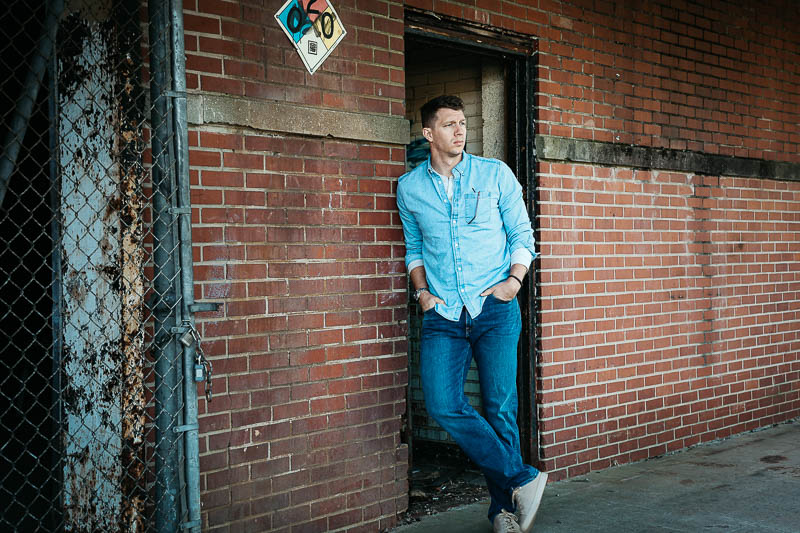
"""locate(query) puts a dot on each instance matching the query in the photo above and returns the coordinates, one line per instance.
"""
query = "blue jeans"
(447, 349)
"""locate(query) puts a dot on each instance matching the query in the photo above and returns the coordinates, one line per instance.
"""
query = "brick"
(200, 24)
(221, 85)
(666, 298)
(204, 158)
(291, 410)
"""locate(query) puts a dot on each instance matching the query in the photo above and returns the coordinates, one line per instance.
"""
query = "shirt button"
(454, 221)
(456, 245)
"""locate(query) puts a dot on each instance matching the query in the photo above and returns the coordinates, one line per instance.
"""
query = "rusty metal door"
(88, 418)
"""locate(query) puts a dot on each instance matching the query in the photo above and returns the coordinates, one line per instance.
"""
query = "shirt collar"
(458, 170)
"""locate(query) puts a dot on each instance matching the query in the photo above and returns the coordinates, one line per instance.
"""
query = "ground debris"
(437, 490)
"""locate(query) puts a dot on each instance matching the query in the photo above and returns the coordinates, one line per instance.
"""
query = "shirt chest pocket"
(479, 207)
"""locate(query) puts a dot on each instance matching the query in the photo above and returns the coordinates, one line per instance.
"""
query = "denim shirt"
(466, 243)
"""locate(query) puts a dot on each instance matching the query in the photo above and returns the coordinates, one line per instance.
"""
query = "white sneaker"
(505, 522)
(527, 499)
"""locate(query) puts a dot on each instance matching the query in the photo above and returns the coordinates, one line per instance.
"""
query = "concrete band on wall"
(295, 119)
(550, 148)
(290, 118)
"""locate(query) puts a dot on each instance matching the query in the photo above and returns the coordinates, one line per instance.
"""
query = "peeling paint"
(103, 287)
(129, 135)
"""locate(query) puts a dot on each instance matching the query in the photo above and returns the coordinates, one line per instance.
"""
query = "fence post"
(180, 124)
(164, 346)
(55, 516)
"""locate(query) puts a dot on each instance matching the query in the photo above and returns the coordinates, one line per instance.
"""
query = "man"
(469, 244)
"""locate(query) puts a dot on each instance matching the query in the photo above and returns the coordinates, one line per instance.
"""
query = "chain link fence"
(93, 270)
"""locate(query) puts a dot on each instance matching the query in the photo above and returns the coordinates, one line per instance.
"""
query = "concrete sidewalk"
(747, 483)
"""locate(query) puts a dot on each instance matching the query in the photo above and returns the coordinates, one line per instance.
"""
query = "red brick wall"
(716, 77)
(643, 352)
(237, 48)
(309, 351)
(669, 300)
(670, 311)
(299, 238)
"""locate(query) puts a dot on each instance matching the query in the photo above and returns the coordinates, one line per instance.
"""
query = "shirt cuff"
(418, 263)
(520, 256)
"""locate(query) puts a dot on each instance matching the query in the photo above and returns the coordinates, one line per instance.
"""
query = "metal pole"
(56, 469)
(164, 345)
(180, 125)
(30, 90)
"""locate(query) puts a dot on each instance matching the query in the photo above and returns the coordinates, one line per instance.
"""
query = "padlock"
(199, 372)
(187, 339)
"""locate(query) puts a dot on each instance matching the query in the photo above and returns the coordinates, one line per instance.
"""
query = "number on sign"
(297, 20)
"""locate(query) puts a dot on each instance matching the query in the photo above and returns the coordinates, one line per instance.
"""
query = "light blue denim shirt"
(465, 244)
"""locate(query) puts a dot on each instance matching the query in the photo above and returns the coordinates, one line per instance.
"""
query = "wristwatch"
(418, 293)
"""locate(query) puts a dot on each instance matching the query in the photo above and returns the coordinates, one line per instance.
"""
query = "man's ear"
(426, 132)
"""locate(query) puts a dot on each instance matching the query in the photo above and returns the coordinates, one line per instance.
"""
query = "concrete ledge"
(282, 117)
(549, 148)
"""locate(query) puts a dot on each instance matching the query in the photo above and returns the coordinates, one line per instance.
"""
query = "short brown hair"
(430, 108)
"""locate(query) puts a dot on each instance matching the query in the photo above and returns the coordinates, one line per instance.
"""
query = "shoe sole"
(537, 499)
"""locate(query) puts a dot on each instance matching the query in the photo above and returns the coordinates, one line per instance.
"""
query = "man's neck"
(444, 163)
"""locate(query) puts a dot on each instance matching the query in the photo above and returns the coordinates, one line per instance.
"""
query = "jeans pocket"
(501, 301)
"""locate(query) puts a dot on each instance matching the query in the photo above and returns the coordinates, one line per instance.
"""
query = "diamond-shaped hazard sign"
(314, 28)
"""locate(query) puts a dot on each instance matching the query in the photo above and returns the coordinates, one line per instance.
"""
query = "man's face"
(448, 135)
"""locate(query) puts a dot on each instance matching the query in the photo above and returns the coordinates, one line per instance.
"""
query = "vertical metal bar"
(30, 89)
(521, 93)
(180, 124)
(531, 118)
(516, 160)
(56, 467)
(164, 345)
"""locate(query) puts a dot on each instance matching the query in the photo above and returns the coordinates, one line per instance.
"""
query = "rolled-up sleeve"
(515, 217)
(521, 256)
(411, 233)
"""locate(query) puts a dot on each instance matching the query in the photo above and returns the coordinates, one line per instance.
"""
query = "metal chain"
(202, 366)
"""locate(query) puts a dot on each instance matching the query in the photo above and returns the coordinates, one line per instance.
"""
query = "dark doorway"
(491, 71)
